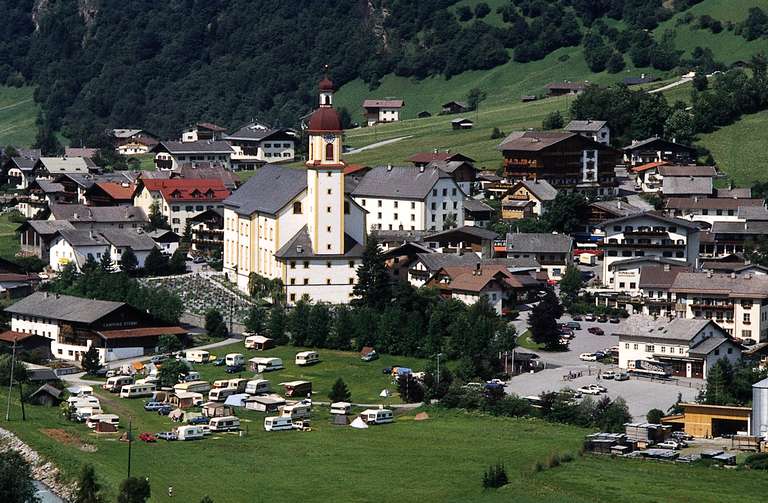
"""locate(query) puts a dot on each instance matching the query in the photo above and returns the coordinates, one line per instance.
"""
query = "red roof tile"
(650, 165)
(10, 336)
(179, 189)
(116, 190)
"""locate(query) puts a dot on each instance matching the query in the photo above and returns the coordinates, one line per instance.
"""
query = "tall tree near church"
(373, 287)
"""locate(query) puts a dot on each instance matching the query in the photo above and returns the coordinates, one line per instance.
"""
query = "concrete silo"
(760, 409)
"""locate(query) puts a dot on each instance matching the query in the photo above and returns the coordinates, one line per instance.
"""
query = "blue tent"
(237, 400)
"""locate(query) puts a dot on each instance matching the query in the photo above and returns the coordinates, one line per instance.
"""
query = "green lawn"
(438, 460)
(9, 241)
(364, 379)
(18, 112)
(525, 341)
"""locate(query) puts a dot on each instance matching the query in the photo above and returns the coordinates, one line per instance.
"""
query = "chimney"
(709, 273)
(389, 167)
(733, 275)
(299, 249)
(667, 268)
(74, 216)
(421, 169)
(618, 205)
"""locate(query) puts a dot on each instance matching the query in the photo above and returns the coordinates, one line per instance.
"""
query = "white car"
(608, 374)
(589, 390)
(669, 444)
(588, 357)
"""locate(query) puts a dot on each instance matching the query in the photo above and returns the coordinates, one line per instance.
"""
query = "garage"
(708, 421)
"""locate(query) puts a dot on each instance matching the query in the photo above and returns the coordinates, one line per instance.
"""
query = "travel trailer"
(198, 356)
(193, 386)
(258, 386)
(137, 390)
(307, 358)
(278, 423)
(226, 423)
(116, 383)
(189, 432)
(220, 394)
(234, 359)
(377, 416)
(266, 364)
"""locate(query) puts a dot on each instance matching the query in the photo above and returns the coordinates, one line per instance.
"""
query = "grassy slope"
(17, 116)
(439, 460)
(9, 242)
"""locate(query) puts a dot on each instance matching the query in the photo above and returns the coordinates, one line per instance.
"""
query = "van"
(377, 416)
(341, 408)
(115, 384)
(307, 358)
(95, 419)
(193, 386)
(137, 390)
(238, 384)
(266, 364)
(234, 359)
(257, 386)
(198, 356)
(226, 423)
(220, 394)
(297, 411)
(189, 432)
(278, 423)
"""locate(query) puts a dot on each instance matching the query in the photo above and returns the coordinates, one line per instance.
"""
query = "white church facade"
(299, 225)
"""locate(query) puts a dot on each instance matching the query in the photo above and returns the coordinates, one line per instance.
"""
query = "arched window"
(329, 151)
(297, 208)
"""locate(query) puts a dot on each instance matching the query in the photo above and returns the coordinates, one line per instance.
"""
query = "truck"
(649, 368)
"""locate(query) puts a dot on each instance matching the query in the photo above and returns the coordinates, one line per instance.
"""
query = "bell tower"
(325, 176)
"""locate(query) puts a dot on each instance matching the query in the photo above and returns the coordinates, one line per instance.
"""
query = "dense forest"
(162, 65)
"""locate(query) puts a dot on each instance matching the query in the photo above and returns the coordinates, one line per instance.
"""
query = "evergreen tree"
(187, 236)
(215, 325)
(16, 483)
(297, 322)
(373, 287)
(134, 490)
(171, 372)
(46, 139)
(410, 388)
(700, 82)
(106, 263)
(168, 344)
(128, 262)
(90, 361)
(341, 329)
(679, 126)
(156, 219)
(475, 96)
(255, 321)
(276, 325)
(719, 383)
(615, 63)
(178, 262)
(339, 392)
(654, 416)
(571, 284)
(566, 213)
(156, 263)
(319, 325)
(88, 488)
(542, 321)
(553, 120)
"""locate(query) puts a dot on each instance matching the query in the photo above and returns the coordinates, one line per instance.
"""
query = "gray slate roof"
(398, 182)
(617, 207)
(587, 126)
(536, 242)
(476, 205)
(49, 227)
(63, 307)
(82, 237)
(24, 163)
(195, 147)
(58, 165)
(678, 329)
(753, 227)
(435, 261)
(254, 133)
(49, 187)
(642, 143)
(673, 185)
(271, 188)
(300, 247)
(753, 213)
(98, 213)
(656, 216)
(542, 189)
(122, 238)
(738, 192)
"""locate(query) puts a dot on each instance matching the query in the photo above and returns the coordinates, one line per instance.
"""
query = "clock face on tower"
(329, 138)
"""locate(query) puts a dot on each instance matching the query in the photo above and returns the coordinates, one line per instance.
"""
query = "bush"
(553, 121)
(495, 476)
(757, 461)
(553, 461)
(654, 416)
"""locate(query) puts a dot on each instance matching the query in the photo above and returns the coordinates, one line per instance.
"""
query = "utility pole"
(130, 439)
(10, 382)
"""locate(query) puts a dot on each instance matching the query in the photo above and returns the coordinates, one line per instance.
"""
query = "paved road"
(376, 145)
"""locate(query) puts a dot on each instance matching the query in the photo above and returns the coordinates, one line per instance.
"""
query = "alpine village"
(426, 250)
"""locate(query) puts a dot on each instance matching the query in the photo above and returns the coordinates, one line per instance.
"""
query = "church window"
(306, 281)
(293, 264)
(293, 297)
(351, 263)
(328, 246)
(306, 265)
(329, 192)
(329, 152)
(328, 209)
(297, 208)
(351, 281)
(328, 229)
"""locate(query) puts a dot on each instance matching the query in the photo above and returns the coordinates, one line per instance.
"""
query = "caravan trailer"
(83, 401)
(257, 386)
(278, 423)
(220, 394)
(116, 383)
(234, 359)
(377, 416)
(341, 408)
(258, 343)
(238, 384)
(300, 389)
(193, 386)
(307, 358)
(266, 364)
(221, 383)
(84, 413)
(137, 390)
(198, 356)
(296, 411)
(226, 423)
(189, 432)
(95, 419)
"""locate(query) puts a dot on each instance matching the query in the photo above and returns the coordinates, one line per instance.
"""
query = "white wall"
(61, 253)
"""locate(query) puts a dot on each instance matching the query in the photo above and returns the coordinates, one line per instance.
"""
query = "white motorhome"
(189, 432)
(95, 419)
(233, 359)
(198, 356)
(137, 390)
(116, 383)
(258, 386)
(377, 416)
(297, 411)
(341, 408)
(226, 423)
(193, 386)
(278, 423)
(307, 358)
(220, 394)
(266, 364)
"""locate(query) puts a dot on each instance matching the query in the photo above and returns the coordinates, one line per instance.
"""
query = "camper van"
(234, 359)
(198, 356)
(297, 388)
(238, 384)
(307, 358)
(341, 408)
(193, 386)
(83, 413)
(257, 386)
(258, 342)
(115, 384)
(95, 419)
(189, 432)
(226, 423)
(137, 390)
(377, 416)
(297, 411)
(266, 364)
(220, 394)
(278, 423)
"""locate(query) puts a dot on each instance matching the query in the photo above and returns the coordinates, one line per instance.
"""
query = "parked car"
(748, 341)
(589, 390)
(167, 435)
(154, 406)
(668, 444)
(602, 318)
(601, 389)
(596, 331)
(198, 420)
(158, 359)
(621, 376)
(577, 317)
(218, 362)
(198, 260)
(573, 325)
(589, 317)
(102, 372)
(608, 374)
(164, 410)
(614, 319)
(588, 357)
(681, 435)
(234, 369)
(369, 357)
(599, 355)
(147, 437)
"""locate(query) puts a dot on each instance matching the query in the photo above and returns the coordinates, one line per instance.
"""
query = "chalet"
(687, 180)
(600, 211)
(455, 107)
(731, 237)
(254, 145)
(567, 161)
(165, 240)
(110, 194)
(47, 395)
(596, 130)
(399, 260)
(377, 111)
(99, 217)
(203, 131)
(36, 236)
(714, 209)
(657, 149)
(465, 239)
(76, 185)
(132, 141)
(477, 213)
(207, 171)
(208, 231)
(78, 246)
(422, 159)
(73, 325)
(461, 123)
(462, 172)
(171, 155)
(563, 88)
(554, 252)
(689, 348)
(655, 282)
(49, 167)
(526, 198)
(19, 172)
(180, 199)
(39, 196)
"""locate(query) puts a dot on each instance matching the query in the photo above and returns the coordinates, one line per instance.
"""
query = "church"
(299, 225)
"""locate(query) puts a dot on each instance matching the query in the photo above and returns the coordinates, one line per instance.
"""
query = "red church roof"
(326, 84)
(179, 189)
(324, 120)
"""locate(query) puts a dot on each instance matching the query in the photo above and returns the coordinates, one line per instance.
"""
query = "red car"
(596, 331)
(147, 437)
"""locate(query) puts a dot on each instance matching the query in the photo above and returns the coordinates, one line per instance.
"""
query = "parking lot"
(641, 395)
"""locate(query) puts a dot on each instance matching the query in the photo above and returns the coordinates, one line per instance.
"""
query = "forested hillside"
(161, 65)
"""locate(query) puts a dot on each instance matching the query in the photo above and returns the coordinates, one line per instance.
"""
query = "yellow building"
(701, 420)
